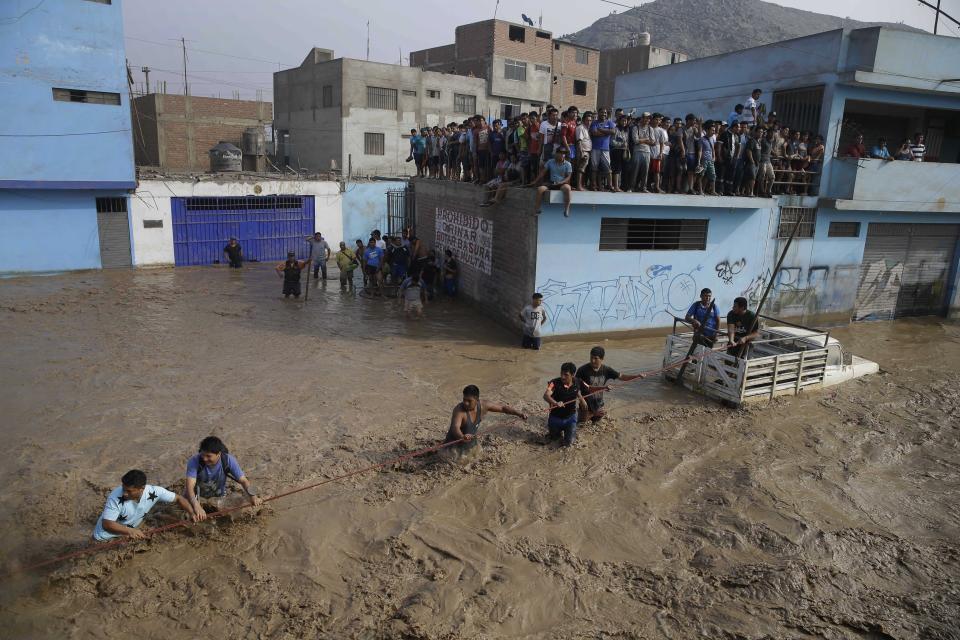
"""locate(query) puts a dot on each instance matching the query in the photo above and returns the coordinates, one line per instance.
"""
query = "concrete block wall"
(566, 69)
(513, 265)
(179, 131)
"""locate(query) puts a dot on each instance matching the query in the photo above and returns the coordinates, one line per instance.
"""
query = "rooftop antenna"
(186, 87)
(540, 21)
(497, 7)
(368, 41)
(146, 72)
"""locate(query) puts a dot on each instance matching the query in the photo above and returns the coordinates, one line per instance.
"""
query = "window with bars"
(373, 144)
(844, 230)
(656, 234)
(433, 93)
(464, 104)
(243, 203)
(579, 87)
(789, 217)
(515, 70)
(509, 109)
(799, 108)
(381, 98)
(583, 56)
(111, 205)
(90, 97)
(327, 95)
(409, 92)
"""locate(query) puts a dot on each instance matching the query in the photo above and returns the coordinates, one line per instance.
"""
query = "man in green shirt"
(347, 263)
(742, 328)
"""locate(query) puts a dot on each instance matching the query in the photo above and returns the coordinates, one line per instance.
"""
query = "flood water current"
(829, 515)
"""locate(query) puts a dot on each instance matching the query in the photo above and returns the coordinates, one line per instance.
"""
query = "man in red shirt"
(534, 144)
(857, 149)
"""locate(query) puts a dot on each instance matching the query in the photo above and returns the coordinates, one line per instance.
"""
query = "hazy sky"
(280, 32)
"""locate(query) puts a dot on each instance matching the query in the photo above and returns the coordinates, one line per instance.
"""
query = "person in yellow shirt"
(347, 263)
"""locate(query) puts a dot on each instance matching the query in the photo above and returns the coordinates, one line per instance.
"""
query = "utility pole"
(368, 41)
(186, 87)
(146, 72)
(936, 18)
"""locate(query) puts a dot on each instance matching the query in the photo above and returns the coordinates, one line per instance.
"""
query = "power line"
(59, 135)
(215, 53)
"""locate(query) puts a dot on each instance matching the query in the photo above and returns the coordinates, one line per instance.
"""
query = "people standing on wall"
(533, 316)
(766, 175)
(601, 131)
(751, 110)
(705, 159)
(319, 253)
(619, 155)
(584, 145)
(233, 253)
(290, 271)
(751, 161)
(482, 133)
(705, 319)
(534, 145)
(642, 137)
(657, 151)
(418, 148)
(548, 135)
(678, 156)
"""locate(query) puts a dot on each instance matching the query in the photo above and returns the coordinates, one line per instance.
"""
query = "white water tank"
(643, 39)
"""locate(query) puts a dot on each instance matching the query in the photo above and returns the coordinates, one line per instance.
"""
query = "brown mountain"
(702, 28)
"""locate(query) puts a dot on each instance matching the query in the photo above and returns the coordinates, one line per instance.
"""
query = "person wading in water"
(290, 272)
(467, 415)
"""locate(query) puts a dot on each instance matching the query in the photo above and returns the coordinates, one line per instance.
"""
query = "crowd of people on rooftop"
(749, 153)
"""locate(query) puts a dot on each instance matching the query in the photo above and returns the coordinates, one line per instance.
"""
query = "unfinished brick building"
(176, 132)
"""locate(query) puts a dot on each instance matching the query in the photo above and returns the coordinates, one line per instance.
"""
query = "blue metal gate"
(266, 226)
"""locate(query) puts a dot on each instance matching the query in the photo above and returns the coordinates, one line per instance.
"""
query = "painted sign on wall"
(469, 238)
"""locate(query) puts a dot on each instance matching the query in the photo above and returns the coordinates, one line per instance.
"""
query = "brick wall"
(508, 288)
(178, 131)
(532, 49)
(567, 70)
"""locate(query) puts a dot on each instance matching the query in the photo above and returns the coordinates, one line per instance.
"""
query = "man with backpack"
(207, 474)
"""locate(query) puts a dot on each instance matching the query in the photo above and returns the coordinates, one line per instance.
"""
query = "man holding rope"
(207, 474)
(597, 375)
(128, 504)
(466, 418)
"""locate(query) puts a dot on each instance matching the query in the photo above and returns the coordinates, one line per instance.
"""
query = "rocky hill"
(702, 28)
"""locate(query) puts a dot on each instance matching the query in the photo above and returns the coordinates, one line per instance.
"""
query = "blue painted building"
(66, 155)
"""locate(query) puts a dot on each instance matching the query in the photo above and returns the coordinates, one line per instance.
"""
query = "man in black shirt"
(233, 252)
(597, 374)
(562, 395)
(742, 328)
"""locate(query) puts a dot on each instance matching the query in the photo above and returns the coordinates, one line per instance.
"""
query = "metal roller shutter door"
(905, 270)
(113, 227)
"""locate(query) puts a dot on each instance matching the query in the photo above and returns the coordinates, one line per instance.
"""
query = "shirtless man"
(466, 418)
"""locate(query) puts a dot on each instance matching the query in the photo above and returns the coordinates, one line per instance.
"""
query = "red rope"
(119, 542)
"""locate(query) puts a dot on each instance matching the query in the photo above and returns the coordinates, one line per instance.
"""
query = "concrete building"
(880, 241)
(175, 132)
(575, 76)
(525, 68)
(66, 161)
(639, 57)
(355, 116)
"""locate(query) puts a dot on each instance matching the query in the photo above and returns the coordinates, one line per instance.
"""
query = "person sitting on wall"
(127, 505)
(559, 171)
(233, 252)
(742, 328)
(704, 318)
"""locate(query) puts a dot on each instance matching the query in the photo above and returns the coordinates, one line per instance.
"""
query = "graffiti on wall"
(800, 290)
(624, 302)
(727, 270)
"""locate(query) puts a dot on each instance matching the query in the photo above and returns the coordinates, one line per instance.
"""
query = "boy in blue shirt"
(127, 505)
(207, 474)
(373, 261)
(559, 171)
(705, 318)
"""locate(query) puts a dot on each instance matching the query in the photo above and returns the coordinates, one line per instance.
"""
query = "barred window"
(583, 56)
(844, 230)
(381, 98)
(327, 95)
(373, 144)
(433, 93)
(111, 205)
(464, 104)
(515, 70)
(509, 109)
(90, 97)
(788, 218)
(634, 234)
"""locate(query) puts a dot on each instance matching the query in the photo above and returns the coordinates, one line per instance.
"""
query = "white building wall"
(151, 201)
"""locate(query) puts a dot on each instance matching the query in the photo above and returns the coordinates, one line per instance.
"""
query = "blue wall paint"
(365, 209)
(72, 45)
(590, 291)
(48, 230)
(587, 291)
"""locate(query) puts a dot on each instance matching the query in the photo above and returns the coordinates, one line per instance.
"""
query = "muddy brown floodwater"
(833, 515)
